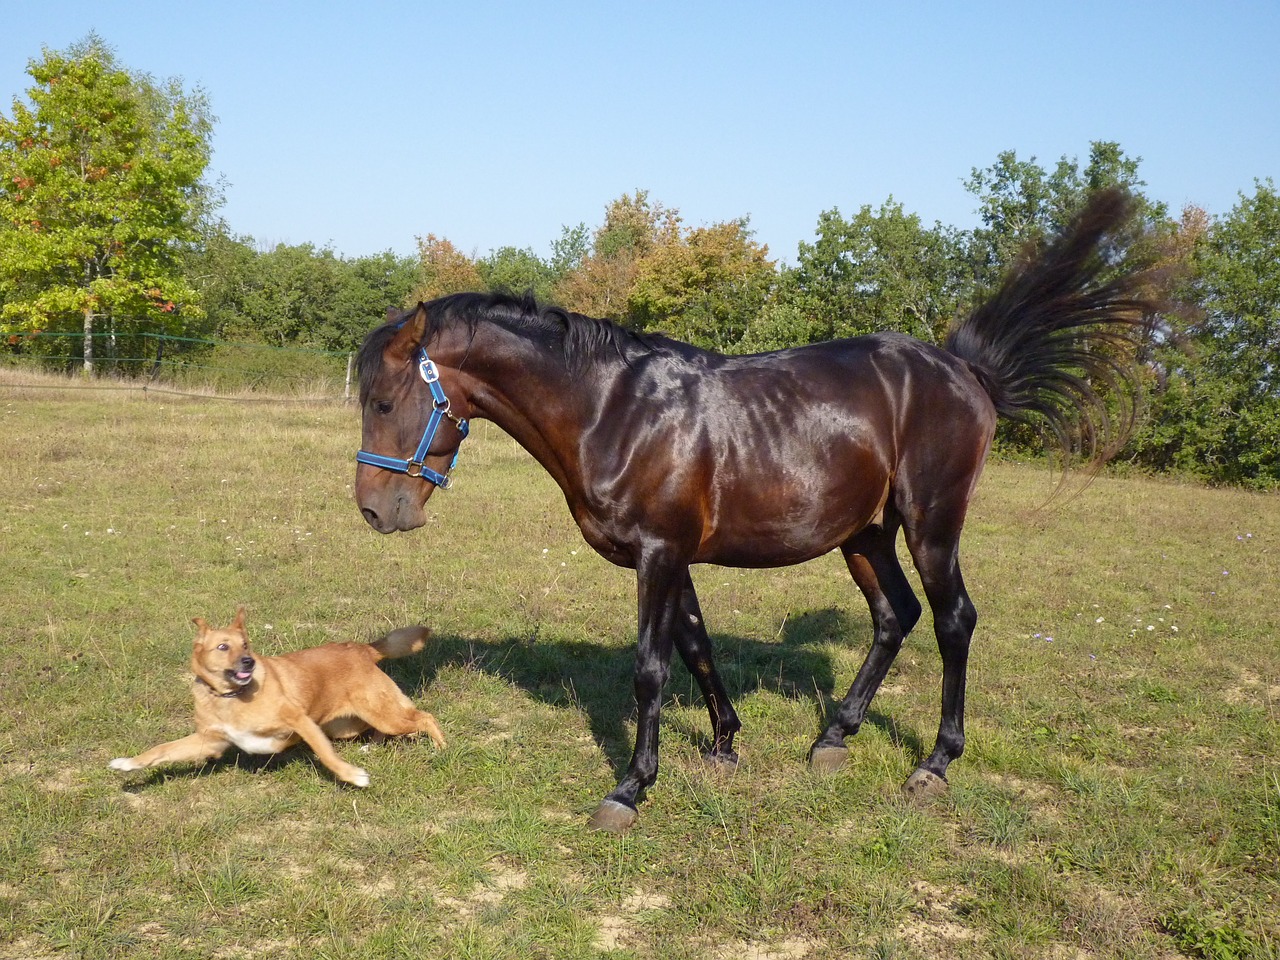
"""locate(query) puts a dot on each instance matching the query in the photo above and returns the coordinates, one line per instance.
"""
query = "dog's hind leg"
(192, 749)
(391, 713)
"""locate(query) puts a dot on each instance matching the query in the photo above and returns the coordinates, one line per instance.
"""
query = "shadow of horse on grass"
(597, 679)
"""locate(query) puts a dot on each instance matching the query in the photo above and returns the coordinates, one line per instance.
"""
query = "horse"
(669, 455)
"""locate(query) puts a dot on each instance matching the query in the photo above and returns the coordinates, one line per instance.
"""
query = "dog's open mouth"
(240, 677)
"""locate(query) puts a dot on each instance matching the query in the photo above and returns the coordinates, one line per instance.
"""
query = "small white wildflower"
(1100, 619)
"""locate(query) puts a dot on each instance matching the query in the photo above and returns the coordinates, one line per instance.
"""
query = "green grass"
(1120, 796)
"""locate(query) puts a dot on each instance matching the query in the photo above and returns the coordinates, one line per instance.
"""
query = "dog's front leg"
(192, 749)
(320, 744)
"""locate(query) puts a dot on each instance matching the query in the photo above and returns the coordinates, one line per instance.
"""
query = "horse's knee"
(955, 624)
(650, 677)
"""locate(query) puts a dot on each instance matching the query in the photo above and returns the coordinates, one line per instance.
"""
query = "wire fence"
(164, 363)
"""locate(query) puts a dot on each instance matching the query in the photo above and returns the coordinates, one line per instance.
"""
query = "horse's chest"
(603, 539)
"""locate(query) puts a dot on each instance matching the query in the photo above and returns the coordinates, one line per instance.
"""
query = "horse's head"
(412, 423)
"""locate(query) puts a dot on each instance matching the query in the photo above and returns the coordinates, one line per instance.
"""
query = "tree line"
(109, 228)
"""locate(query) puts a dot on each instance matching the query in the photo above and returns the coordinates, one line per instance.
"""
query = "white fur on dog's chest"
(251, 742)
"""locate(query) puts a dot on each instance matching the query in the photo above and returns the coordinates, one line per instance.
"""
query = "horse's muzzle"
(403, 516)
(390, 507)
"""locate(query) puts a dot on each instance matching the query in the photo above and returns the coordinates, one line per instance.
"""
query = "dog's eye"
(223, 646)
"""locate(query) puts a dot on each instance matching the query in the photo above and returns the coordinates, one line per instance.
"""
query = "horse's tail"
(400, 643)
(1056, 330)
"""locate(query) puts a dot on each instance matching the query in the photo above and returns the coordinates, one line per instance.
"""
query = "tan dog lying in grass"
(267, 704)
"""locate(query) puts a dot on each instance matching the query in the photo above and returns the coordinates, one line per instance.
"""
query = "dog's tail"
(400, 643)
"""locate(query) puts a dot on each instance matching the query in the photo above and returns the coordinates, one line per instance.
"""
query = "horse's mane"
(582, 340)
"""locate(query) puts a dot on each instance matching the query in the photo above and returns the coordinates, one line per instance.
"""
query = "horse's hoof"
(613, 817)
(923, 785)
(827, 759)
(721, 762)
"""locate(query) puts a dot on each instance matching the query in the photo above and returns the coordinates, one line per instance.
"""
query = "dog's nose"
(246, 664)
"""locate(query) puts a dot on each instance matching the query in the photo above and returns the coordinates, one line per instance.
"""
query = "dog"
(264, 705)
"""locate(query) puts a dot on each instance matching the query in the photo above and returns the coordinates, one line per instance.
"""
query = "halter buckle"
(427, 370)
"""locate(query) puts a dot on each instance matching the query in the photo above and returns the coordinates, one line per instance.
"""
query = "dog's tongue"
(244, 674)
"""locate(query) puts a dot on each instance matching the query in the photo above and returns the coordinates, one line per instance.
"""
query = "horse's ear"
(404, 345)
(392, 313)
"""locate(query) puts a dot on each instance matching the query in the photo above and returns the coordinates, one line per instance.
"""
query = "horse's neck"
(533, 395)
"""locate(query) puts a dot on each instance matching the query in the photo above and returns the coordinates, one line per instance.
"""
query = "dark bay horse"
(669, 455)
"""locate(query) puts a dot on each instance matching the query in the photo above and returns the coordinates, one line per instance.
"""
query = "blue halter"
(439, 412)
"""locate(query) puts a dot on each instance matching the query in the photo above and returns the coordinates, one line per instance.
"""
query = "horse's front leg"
(660, 587)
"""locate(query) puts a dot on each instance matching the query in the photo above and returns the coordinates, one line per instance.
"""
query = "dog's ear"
(238, 622)
(202, 628)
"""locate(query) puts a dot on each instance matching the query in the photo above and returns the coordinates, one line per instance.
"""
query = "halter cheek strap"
(415, 467)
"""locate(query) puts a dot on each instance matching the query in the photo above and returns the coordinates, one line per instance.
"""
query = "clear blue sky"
(362, 126)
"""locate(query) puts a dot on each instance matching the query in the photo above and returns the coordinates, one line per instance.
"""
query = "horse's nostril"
(370, 516)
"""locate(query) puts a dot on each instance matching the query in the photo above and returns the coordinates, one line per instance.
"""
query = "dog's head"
(221, 656)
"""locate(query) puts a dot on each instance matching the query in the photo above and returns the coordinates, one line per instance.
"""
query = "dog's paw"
(124, 764)
(359, 779)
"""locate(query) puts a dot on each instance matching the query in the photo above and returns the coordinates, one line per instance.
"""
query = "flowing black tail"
(1056, 331)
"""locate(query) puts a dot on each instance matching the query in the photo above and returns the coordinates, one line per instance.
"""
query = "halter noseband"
(439, 412)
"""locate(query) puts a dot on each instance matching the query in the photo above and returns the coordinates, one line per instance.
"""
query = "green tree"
(704, 285)
(568, 252)
(101, 192)
(602, 283)
(516, 271)
(1217, 412)
(880, 270)
(1020, 202)
(368, 286)
(289, 296)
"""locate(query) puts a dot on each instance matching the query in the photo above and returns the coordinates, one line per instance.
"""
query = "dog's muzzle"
(243, 673)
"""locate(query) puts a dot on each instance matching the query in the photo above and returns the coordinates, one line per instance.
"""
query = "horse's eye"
(382, 406)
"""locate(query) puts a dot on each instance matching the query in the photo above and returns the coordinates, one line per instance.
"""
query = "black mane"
(583, 340)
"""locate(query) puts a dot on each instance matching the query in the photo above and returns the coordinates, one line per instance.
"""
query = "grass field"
(1120, 796)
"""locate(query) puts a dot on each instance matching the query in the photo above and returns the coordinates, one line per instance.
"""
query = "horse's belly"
(791, 520)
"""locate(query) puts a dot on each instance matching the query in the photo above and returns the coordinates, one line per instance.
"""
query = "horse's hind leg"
(694, 647)
(954, 619)
(873, 562)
